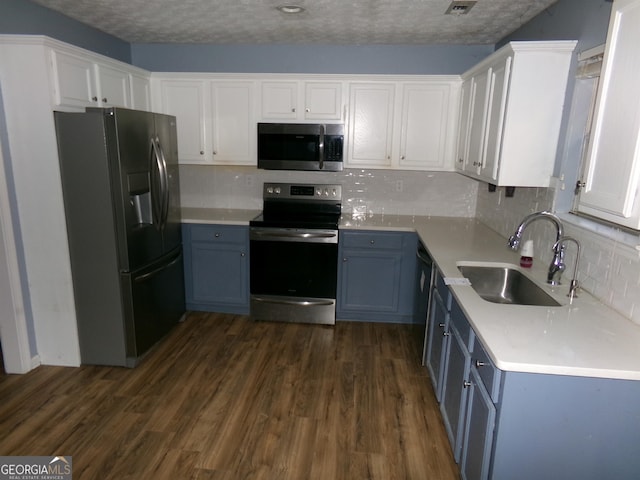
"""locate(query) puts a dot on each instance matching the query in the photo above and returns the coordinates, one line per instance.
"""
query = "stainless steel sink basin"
(503, 284)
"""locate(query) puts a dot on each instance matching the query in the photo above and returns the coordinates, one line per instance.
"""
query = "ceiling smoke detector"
(460, 7)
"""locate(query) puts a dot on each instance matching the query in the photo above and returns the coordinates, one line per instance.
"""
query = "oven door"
(293, 274)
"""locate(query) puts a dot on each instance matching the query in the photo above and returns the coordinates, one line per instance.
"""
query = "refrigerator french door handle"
(155, 271)
(156, 190)
(164, 182)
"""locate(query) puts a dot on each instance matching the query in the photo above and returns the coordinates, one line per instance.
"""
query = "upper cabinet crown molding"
(511, 112)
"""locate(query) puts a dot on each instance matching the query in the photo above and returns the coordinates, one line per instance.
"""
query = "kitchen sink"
(505, 284)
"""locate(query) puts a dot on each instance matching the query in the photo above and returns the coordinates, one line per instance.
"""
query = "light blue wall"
(586, 21)
(25, 17)
(583, 20)
(348, 59)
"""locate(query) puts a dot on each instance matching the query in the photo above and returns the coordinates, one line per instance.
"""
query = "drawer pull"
(480, 364)
(446, 334)
(466, 384)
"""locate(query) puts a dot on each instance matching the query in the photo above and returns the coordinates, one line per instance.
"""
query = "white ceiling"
(346, 22)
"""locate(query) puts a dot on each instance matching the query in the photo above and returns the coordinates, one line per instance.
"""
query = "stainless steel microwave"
(300, 146)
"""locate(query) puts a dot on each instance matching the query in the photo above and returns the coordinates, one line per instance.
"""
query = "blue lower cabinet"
(438, 335)
(216, 263)
(376, 276)
(480, 417)
(504, 425)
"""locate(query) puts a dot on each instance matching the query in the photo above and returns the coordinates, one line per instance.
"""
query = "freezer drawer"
(154, 297)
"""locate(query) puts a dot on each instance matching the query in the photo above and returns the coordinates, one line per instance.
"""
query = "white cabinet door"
(464, 124)
(234, 126)
(279, 100)
(424, 126)
(140, 92)
(613, 160)
(114, 87)
(480, 99)
(371, 112)
(74, 80)
(185, 99)
(323, 100)
(495, 119)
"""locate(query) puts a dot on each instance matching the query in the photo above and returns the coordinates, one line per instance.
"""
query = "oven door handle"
(303, 303)
(288, 235)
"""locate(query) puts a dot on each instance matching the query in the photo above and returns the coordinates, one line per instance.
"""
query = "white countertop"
(585, 338)
(220, 216)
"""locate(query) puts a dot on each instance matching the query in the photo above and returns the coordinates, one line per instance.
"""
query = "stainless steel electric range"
(294, 253)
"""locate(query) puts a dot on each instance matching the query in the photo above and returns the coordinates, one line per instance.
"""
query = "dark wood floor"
(225, 398)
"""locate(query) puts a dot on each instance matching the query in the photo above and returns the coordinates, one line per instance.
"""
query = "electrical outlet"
(399, 185)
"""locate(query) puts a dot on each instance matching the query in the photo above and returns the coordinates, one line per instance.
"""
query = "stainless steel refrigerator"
(120, 184)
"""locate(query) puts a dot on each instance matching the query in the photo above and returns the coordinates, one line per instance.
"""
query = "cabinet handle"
(372, 242)
(446, 334)
(217, 235)
(402, 157)
(441, 325)
(460, 160)
(104, 100)
(466, 384)
(293, 110)
(201, 152)
(308, 110)
(344, 259)
(95, 99)
(215, 152)
(480, 364)
(242, 254)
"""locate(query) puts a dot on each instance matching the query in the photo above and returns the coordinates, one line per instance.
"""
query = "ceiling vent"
(460, 7)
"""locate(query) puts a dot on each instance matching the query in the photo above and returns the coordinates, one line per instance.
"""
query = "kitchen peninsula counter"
(585, 339)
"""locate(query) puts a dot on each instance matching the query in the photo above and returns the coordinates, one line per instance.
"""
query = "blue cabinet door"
(438, 340)
(454, 390)
(478, 431)
(217, 268)
(376, 276)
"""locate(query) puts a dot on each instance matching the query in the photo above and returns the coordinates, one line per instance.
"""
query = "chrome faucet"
(557, 265)
(573, 286)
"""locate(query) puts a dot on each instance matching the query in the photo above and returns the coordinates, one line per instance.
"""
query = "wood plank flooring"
(226, 398)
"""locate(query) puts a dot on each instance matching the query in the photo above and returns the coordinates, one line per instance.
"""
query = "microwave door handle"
(321, 147)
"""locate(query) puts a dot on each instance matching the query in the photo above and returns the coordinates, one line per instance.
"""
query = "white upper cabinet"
(402, 124)
(216, 120)
(234, 126)
(510, 115)
(370, 124)
(81, 79)
(186, 100)
(294, 100)
(141, 92)
(612, 174)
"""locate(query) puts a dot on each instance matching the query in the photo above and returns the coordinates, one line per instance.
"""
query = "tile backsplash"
(364, 191)
(609, 269)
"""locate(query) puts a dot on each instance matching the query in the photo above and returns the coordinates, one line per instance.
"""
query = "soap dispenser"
(526, 254)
